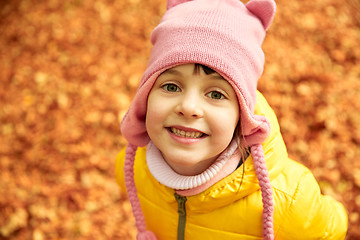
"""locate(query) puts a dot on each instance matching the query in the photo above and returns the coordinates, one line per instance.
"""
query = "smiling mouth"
(186, 134)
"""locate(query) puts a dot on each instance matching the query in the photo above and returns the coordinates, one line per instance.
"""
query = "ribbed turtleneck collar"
(224, 165)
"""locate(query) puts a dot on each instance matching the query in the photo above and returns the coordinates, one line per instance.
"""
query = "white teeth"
(182, 133)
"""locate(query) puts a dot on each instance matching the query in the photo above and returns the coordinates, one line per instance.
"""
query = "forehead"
(193, 69)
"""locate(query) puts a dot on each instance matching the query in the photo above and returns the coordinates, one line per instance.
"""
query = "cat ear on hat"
(173, 3)
(264, 10)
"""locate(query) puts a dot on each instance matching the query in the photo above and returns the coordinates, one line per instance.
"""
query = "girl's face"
(191, 117)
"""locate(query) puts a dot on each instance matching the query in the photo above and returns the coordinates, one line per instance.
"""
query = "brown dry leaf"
(17, 220)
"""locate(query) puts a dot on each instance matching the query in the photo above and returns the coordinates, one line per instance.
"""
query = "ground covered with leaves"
(69, 69)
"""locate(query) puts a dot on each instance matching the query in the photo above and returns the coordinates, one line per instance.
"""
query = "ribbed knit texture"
(221, 34)
(225, 164)
(225, 35)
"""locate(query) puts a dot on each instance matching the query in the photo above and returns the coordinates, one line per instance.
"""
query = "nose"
(190, 106)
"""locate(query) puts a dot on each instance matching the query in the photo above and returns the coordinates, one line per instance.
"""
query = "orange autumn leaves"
(69, 70)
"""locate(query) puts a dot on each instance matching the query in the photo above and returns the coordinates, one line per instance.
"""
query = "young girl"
(205, 158)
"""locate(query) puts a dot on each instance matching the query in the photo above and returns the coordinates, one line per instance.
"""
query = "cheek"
(225, 123)
(155, 115)
(151, 119)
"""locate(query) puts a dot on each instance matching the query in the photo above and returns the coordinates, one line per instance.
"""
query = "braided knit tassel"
(266, 192)
(143, 234)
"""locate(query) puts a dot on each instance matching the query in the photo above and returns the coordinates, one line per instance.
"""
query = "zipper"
(181, 200)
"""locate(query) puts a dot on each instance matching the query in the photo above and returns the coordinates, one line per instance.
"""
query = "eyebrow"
(216, 77)
(173, 72)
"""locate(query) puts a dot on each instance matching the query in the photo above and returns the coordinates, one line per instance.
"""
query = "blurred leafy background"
(69, 69)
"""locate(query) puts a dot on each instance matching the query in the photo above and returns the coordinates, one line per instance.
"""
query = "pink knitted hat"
(226, 36)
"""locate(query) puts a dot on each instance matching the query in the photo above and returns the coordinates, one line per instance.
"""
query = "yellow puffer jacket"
(232, 208)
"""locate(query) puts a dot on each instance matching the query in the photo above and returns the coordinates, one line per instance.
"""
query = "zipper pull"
(181, 200)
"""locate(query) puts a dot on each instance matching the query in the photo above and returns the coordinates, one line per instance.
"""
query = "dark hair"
(206, 69)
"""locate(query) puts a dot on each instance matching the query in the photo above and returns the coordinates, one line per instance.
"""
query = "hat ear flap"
(257, 134)
(173, 3)
(264, 10)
